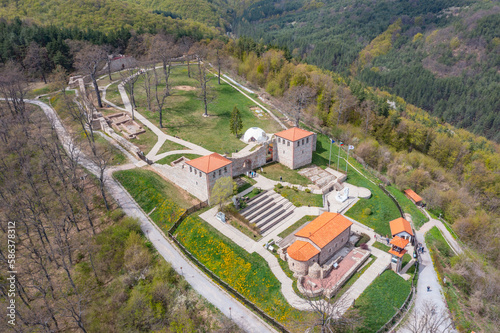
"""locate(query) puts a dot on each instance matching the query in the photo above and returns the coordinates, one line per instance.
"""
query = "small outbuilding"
(401, 228)
(397, 251)
(414, 197)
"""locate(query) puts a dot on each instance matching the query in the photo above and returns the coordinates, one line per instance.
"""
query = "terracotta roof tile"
(414, 196)
(302, 251)
(324, 228)
(209, 163)
(399, 225)
(398, 254)
(399, 242)
(294, 134)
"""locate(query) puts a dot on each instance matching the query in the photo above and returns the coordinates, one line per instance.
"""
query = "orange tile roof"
(294, 134)
(209, 163)
(325, 228)
(302, 251)
(398, 254)
(399, 225)
(414, 196)
(399, 242)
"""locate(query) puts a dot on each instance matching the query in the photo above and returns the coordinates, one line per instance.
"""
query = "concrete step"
(262, 211)
(257, 206)
(277, 220)
(250, 204)
(265, 220)
(278, 201)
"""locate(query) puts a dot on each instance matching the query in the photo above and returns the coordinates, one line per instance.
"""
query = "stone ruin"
(121, 122)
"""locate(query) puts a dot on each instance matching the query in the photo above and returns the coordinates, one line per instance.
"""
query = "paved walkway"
(243, 317)
(452, 242)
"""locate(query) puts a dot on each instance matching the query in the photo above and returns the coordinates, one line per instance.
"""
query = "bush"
(363, 240)
(116, 214)
(307, 190)
(367, 211)
(256, 191)
(295, 189)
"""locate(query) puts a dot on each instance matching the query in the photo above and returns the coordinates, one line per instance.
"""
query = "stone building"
(402, 228)
(294, 147)
(203, 172)
(317, 242)
(397, 251)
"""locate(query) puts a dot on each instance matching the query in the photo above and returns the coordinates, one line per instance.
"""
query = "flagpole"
(347, 160)
(338, 158)
(330, 158)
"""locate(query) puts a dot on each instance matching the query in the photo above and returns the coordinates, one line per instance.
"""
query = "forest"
(444, 56)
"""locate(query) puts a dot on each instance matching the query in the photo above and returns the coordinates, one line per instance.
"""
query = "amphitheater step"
(276, 221)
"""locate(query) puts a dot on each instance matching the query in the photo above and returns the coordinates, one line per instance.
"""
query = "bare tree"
(206, 94)
(429, 318)
(129, 77)
(184, 45)
(298, 98)
(13, 87)
(148, 78)
(217, 47)
(161, 94)
(36, 61)
(345, 101)
(89, 60)
(59, 77)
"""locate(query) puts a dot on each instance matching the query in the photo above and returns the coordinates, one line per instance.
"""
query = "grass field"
(296, 225)
(151, 191)
(276, 170)
(434, 239)
(382, 209)
(381, 246)
(247, 273)
(183, 113)
(409, 207)
(170, 158)
(113, 95)
(301, 198)
(378, 303)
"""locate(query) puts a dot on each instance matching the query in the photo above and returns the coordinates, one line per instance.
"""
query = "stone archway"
(247, 165)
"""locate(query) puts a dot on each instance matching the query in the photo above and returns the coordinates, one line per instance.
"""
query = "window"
(214, 174)
(307, 140)
(220, 172)
(279, 140)
(293, 264)
(298, 143)
(302, 141)
(288, 143)
(330, 250)
(190, 169)
(195, 171)
(200, 173)
(225, 169)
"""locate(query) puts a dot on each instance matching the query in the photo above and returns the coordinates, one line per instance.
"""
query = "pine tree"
(236, 123)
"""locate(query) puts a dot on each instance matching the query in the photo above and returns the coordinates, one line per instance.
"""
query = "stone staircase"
(267, 210)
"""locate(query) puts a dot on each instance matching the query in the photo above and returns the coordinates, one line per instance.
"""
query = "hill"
(440, 55)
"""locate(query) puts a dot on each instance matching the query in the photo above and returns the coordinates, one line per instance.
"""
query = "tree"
(59, 77)
(221, 191)
(428, 318)
(236, 124)
(206, 93)
(160, 94)
(88, 61)
(297, 98)
(217, 46)
(37, 61)
(129, 78)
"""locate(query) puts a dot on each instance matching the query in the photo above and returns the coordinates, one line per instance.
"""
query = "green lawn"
(247, 273)
(409, 207)
(301, 198)
(276, 170)
(382, 208)
(434, 239)
(406, 260)
(378, 303)
(381, 246)
(170, 158)
(113, 95)
(183, 113)
(296, 225)
(150, 190)
(170, 145)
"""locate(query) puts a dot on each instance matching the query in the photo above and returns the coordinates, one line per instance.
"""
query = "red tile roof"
(209, 163)
(399, 242)
(398, 254)
(325, 228)
(399, 225)
(412, 195)
(294, 134)
(302, 251)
